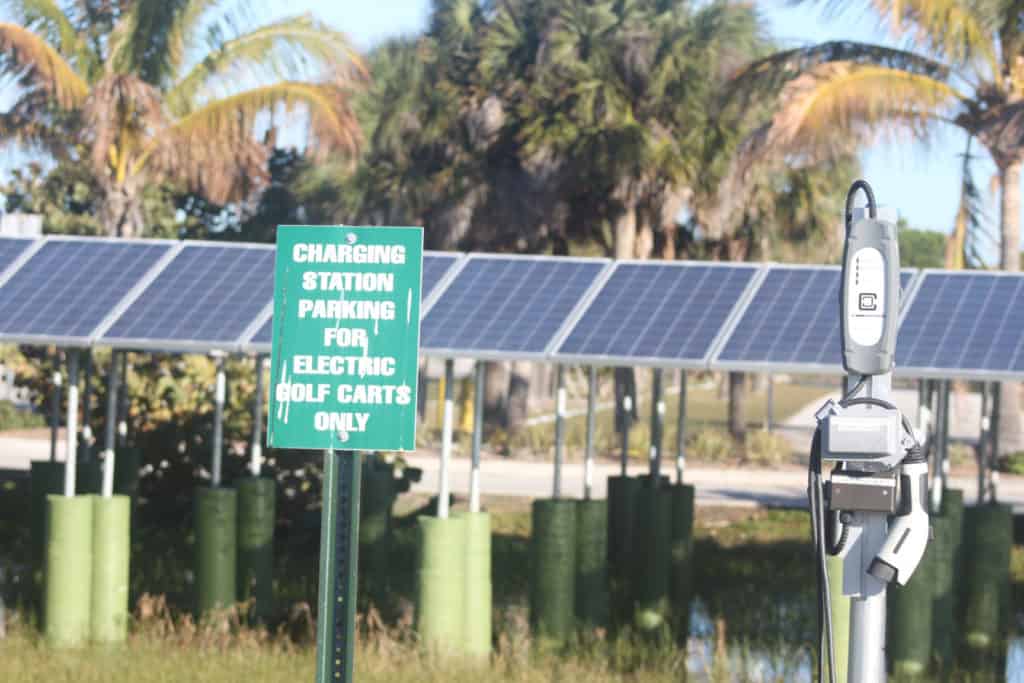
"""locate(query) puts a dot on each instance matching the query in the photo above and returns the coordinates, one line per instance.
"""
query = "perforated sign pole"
(339, 560)
(344, 365)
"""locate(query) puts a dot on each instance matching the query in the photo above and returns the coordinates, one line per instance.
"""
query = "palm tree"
(150, 91)
(963, 66)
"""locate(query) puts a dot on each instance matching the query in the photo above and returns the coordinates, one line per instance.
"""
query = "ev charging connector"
(873, 511)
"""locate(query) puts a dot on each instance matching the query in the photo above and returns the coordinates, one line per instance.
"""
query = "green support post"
(988, 539)
(592, 598)
(111, 548)
(68, 570)
(840, 619)
(339, 561)
(682, 560)
(553, 580)
(948, 526)
(216, 512)
(257, 503)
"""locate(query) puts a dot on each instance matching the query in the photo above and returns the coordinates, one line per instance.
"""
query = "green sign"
(346, 329)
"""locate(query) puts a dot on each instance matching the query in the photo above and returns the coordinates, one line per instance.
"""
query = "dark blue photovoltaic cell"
(965, 321)
(671, 312)
(206, 293)
(434, 268)
(11, 248)
(507, 304)
(793, 318)
(435, 265)
(68, 287)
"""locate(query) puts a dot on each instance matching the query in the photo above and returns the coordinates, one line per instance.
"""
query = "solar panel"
(67, 287)
(791, 323)
(204, 299)
(964, 324)
(436, 265)
(657, 313)
(507, 306)
(10, 249)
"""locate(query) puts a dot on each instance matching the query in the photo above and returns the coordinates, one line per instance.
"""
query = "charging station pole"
(874, 511)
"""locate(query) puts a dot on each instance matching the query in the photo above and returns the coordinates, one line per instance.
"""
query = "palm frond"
(837, 104)
(140, 41)
(47, 19)
(122, 111)
(289, 48)
(185, 28)
(28, 56)
(765, 76)
(959, 31)
(214, 148)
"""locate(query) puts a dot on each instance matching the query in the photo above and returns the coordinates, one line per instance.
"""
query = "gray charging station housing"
(878, 235)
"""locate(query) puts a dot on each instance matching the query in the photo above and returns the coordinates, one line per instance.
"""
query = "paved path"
(729, 486)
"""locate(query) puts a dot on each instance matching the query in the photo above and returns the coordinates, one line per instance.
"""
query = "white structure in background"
(9, 391)
(21, 225)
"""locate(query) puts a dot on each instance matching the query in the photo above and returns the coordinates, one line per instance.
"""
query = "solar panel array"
(203, 296)
(208, 295)
(792, 322)
(10, 249)
(964, 324)
(436, 265)
(505, 306)
(67, 287)
(650, 313)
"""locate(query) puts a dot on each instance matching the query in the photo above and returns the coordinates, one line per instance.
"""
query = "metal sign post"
(344, 375)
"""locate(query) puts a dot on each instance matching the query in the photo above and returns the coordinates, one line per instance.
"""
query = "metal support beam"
(588, 455)
(58, 380)
(681, 429)
(110, 428)
(86, 441)
(125, 403)
(627, 423)
(992, 480)
(478, 437)
(559, 430)
(256, 443)
(980, 453)
(769, 403)
(220, 390)
(444, 489)
(657, 422)
(71, 458)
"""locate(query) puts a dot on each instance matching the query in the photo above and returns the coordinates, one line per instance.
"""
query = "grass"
(754, 618)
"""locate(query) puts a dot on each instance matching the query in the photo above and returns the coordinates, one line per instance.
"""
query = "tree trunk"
(518, 395)
(625, 234)
(644, 246)
(495, 389)
(121, 213)
(737, 421)
(1009, 224)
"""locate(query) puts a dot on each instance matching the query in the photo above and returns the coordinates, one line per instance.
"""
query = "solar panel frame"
(247, 341)
(498, 355)
(606, 360)
(182, 345)
(931, 372)
(762, 366)
(86, 340)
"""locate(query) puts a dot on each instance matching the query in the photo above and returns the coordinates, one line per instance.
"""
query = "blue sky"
(922, 183)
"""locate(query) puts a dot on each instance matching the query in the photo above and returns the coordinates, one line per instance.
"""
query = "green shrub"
(1013, 463)
(12, 417)
(712, 445)
(767, 448)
